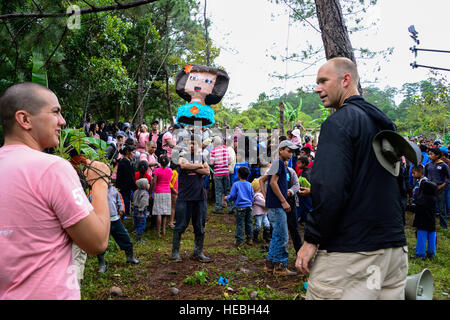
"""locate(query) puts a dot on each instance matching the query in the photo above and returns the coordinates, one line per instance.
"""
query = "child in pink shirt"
(162, 199)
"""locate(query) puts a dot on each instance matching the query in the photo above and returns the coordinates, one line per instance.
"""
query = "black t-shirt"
(279, 169)
(190, 186)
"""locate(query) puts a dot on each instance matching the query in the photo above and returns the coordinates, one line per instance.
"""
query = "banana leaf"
(38, 74)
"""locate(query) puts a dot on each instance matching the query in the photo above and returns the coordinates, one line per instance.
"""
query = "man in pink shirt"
(44, 207)
(220, 159)
(168, 142)
(155, 133)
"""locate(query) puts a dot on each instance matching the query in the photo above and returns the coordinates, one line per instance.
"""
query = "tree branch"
(56, 48)
(37, 6)
(118, 6)
(17, 49)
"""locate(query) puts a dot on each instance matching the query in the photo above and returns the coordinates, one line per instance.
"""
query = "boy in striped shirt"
(220, 159)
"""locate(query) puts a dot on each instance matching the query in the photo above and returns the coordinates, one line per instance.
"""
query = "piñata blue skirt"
(192, 114)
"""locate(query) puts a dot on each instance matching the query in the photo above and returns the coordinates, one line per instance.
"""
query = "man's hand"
(304, 256)
(289, 193)
(95, 171)
(305, 192)
(121, 213)
(286, 206)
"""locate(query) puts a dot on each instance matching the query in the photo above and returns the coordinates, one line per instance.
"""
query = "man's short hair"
(304, 160)
(423, 148)
(20, 96)
(243, 172)
(345, 65)
(418, 168)
(307, 150)
(436, 151)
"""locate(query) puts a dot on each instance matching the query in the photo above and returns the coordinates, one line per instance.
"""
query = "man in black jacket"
(356, 221)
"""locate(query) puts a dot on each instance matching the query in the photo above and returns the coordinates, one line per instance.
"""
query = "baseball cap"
(126, 125)
(296, 133)
(287, 143)
(154, 121)
(121, 134)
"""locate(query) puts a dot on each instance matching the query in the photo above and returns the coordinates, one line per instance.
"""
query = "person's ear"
(23, 118)
(346, 80)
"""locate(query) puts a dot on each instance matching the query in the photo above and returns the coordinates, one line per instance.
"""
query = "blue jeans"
(422, 238)
(121, 236)
(262, 219)
(184, 210)
(243, 220)
(140, 221)
(222, 186)
(280, 236)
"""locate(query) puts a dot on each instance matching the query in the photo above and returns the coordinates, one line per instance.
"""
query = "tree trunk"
(207, 38)
(140, 95)
(117, 115)
(336, 40)
(169, 103)
(281, 118)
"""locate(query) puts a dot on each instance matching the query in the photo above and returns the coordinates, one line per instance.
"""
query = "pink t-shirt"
(143, 138)
(40, 196)
(163, 183)
(154, 136)
(165, 140)
(150, 158)
(220, 158)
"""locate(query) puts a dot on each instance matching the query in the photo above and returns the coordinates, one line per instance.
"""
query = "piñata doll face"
(199, 85)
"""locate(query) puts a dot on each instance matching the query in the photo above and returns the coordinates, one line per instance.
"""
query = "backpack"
(159, 145)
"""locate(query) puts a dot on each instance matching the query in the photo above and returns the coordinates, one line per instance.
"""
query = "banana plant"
(293, 114)
(74, 142)
(324, 113)
(39, 75)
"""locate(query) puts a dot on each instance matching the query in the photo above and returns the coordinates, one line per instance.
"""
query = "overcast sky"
(250, 32)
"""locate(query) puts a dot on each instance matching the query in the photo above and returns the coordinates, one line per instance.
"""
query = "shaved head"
(21, 96)
(344, 65)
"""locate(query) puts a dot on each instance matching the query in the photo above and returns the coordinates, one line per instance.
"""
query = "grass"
(439, 267)
(242, 267)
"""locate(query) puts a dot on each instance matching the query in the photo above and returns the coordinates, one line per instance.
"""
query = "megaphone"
(389, 147)
(419, 286)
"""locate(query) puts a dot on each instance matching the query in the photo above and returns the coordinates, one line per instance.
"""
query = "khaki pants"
(79, 260)
(373, 275)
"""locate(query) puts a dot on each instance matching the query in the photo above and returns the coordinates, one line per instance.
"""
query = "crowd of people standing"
(267, 181)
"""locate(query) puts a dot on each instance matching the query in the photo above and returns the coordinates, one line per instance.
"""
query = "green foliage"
(39, 75)
(428, 109)
(199, 276)
(324, 114)
(95, 69)
(74, 142)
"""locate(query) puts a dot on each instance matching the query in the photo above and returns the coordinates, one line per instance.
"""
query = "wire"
(431, 50)
(415, 65)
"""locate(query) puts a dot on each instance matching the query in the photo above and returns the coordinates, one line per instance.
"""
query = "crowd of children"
(148, 186)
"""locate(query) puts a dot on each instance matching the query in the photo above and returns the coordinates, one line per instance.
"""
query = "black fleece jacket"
(356, 202)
